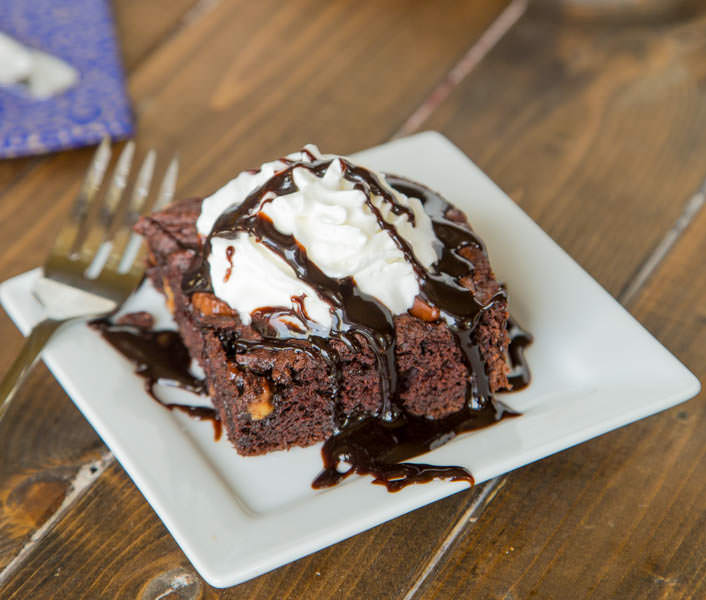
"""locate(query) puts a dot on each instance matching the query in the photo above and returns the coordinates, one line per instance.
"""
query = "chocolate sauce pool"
(376, 447)
(159, 357)
(370, 446)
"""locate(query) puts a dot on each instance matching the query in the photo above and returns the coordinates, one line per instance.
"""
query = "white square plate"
(594, 369)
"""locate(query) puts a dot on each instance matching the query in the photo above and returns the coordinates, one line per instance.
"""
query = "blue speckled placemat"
(81, 33)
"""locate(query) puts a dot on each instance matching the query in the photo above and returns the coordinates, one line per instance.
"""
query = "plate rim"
(223, 573)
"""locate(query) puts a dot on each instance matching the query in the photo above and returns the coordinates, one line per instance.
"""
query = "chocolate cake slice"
(429, 344)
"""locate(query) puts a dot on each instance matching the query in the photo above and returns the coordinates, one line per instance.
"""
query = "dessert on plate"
(318, 295)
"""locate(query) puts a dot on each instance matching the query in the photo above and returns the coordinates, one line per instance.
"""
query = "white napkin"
(40, 74)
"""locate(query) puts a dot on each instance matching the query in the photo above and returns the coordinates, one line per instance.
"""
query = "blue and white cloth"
(80, 33)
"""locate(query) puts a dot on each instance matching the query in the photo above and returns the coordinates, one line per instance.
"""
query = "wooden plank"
(595, 130)
(43, 439)
(602, 125)
(350, 74)
(358, 552)
(227, 71)
(127, 550)
(42, 448)
(12, 170)
(143, 26)
(206, 100)
(622, 516)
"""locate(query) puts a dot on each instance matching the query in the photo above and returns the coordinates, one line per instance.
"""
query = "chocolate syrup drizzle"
(374, 445)
(519, 376)
(159, 357)
(377, 447)
(354, 311)
(371, 446)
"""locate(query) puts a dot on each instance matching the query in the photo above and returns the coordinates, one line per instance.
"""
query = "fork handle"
(27, 358)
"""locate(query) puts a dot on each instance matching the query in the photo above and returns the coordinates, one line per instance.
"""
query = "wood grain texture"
(113, 546)
(604, 152)
(595, 130)
(225, 78)
(12, 170)
(43, 442)
(342, 75)
(142, 26)
(622, 516)
(227, 98)
(44, 439)
(280, 583)
(534, 116)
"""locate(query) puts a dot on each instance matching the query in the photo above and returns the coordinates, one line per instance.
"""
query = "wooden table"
(595, 126)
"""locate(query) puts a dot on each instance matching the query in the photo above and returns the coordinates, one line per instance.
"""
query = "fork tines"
(97, 238)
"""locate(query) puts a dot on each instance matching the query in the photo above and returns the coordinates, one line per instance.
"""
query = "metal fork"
(96, 254)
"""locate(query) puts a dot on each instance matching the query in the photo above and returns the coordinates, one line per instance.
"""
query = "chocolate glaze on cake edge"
(370, 446)
(355, 311)
(376, 447)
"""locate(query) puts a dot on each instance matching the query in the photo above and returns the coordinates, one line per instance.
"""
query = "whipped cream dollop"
(334, 223)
